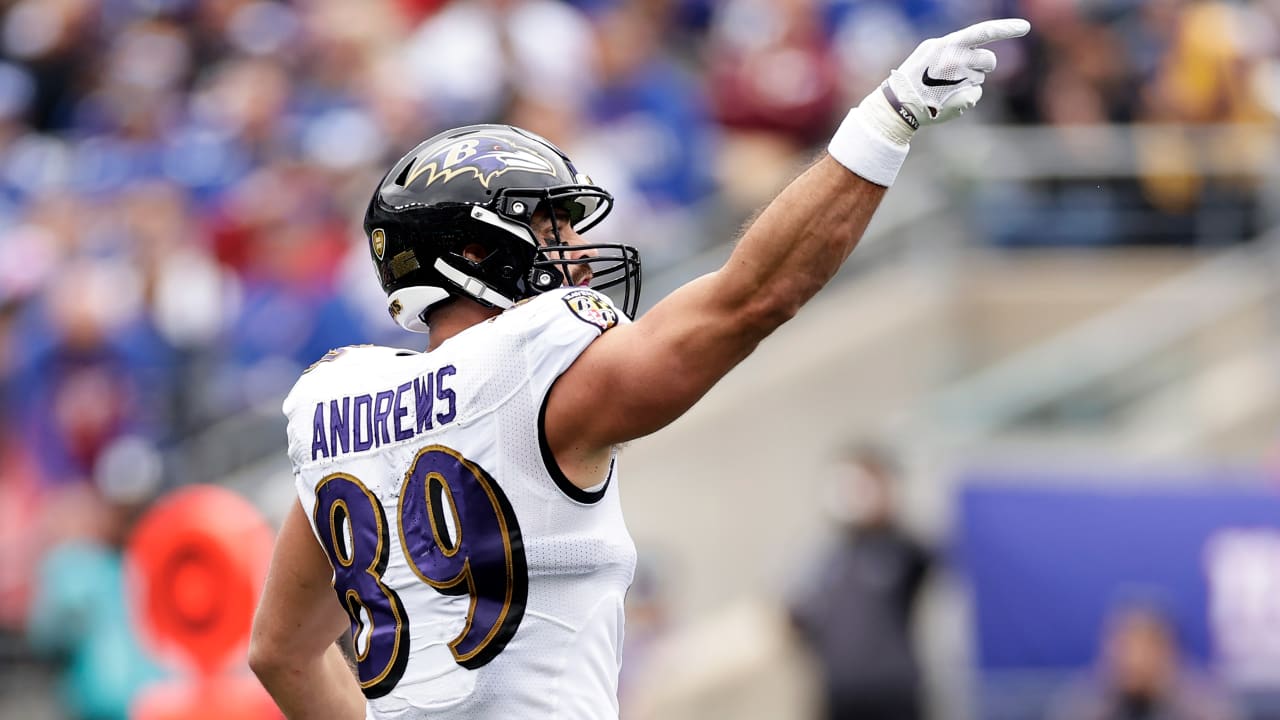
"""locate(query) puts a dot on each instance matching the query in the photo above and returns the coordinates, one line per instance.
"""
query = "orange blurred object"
(225, 697)
(197, 561)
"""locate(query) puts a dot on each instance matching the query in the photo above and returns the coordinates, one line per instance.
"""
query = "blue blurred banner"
(1047, 564)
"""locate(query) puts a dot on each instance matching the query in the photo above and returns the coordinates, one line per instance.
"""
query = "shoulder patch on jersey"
(592, 307)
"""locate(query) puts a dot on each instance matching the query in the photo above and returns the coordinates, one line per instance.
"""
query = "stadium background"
(1063, 320)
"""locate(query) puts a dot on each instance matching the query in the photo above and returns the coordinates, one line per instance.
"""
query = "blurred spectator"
(467, 59)
(856, 611)
(773, 71)
(21, 506)
(53, 41)
(638, 126)
(775, 84)
(79, 616)
(80, 386)
(1207, 77)
(1195, 74)
(1141, 678)
(651, 118)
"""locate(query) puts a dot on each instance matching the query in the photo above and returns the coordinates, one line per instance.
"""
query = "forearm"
(322, 687)
(801, 239)
(804, 236)
(292, 649)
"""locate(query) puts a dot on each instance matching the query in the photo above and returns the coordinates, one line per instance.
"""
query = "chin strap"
(472, 286)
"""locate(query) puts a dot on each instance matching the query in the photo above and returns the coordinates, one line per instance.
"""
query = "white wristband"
(864, 149)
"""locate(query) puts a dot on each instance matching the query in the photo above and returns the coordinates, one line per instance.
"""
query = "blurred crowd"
(181, 180)
(1200, 79)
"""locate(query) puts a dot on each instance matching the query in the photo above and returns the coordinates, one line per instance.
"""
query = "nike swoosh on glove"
(943, 77)
(939, 81)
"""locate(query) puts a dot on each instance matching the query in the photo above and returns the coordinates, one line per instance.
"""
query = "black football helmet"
(482, 184)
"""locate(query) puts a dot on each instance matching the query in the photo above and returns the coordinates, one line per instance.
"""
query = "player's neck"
(454, 317)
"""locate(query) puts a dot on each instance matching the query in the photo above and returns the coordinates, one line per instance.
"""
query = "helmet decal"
(404, 263)
(379, 239)
(484, 157)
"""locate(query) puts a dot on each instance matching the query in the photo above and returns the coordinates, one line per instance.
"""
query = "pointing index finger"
(990, 31)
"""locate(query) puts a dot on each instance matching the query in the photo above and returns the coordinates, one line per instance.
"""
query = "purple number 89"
(458, 534)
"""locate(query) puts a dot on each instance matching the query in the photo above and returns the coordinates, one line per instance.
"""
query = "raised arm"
(638, 378)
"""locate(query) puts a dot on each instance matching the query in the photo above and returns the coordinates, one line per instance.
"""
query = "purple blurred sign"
(1048, 558)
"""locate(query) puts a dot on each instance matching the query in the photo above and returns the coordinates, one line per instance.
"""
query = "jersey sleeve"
(299, 397)
(559, 327)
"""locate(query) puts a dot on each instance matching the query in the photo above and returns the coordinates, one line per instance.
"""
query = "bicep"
(298, 613)
(638, 378)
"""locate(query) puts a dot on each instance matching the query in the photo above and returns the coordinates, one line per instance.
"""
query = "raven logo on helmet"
(481, 156)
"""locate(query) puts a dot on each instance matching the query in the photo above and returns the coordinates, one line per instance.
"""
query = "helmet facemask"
(556, 262)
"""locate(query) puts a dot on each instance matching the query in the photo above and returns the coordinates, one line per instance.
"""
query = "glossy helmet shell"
(481, 184)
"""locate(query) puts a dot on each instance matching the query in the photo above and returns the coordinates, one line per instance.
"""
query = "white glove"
(939, 81)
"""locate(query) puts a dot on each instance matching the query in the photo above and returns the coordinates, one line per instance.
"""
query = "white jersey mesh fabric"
(550, 563)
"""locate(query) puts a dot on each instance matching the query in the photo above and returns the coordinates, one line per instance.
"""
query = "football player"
(458, 509)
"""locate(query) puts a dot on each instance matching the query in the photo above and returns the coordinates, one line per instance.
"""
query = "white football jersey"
(480, 582)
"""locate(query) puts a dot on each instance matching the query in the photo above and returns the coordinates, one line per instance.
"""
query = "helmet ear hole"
(476, 252)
